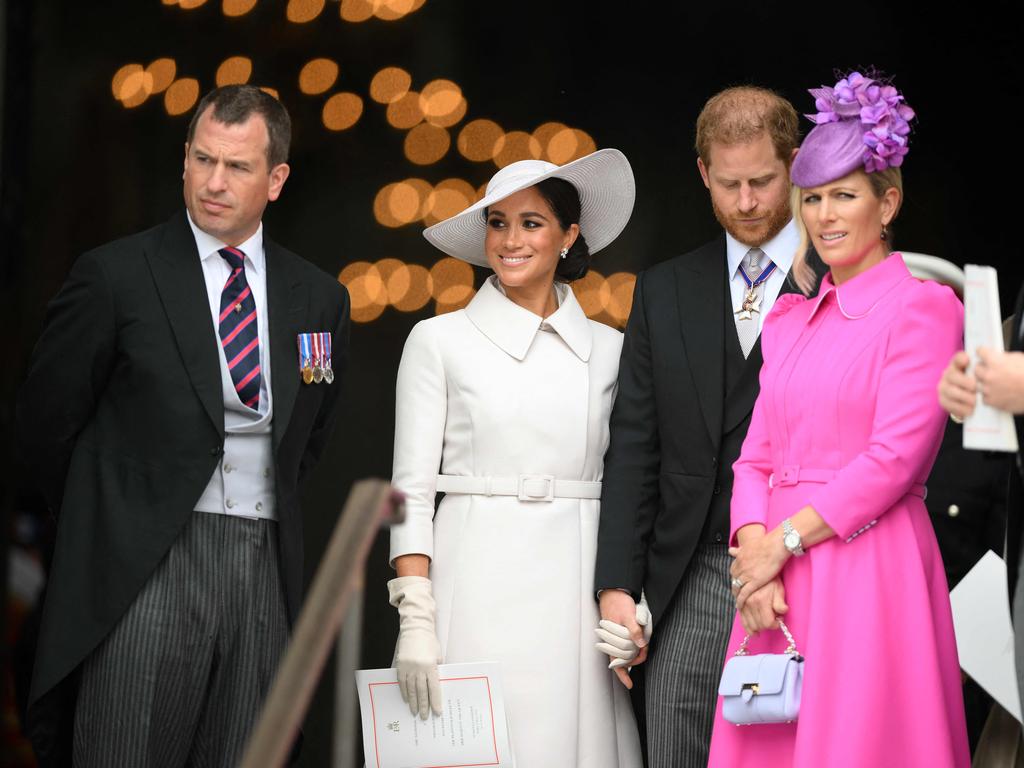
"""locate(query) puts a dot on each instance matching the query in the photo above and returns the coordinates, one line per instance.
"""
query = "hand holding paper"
(1000, 378)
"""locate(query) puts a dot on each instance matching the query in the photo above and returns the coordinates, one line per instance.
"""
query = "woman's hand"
(764, 607)
(758, 561)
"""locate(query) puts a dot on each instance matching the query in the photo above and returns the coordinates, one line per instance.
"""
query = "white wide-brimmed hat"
(603, 179)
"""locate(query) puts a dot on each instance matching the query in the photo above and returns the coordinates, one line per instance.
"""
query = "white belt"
(524, 487)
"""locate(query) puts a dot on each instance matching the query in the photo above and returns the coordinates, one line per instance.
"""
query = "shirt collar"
(513, 328)
(208, 245)
(780, 249)
(861, 294)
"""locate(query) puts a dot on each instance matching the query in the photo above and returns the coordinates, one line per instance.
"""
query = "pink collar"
(861, 294)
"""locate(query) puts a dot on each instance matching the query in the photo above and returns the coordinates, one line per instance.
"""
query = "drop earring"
(564, 252)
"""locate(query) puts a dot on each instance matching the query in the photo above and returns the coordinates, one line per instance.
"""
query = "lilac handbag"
(764, 688)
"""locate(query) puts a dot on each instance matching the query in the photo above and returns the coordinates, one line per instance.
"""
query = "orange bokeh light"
(357, 10)
(452, 284)
(317, 76)
(120, 77)
(237, 7)
(390, 84)
(442, 103)
(342, 111)
(588, 293)
(405, 112)
(410, 289)
(448, 198)
(619, 290)
(402, 203)
(162, 71)
(136, 88)
(544, 133)
(366, 290)
(518, 145)
(479, 140)
(188, 5)
(181, 95)
(270, 91)
(235, 70)
(569, 144)
(301, 11)
(426, 144)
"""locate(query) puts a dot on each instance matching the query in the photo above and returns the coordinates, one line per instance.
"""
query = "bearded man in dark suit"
(168, 419)
(688, 379)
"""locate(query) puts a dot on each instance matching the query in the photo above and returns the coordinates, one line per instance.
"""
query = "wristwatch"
(791, 539)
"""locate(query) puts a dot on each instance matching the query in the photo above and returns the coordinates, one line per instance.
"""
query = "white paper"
(987, 429)
(984, 634)
(471, 731)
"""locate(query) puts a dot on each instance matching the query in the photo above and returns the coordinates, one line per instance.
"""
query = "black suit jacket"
(662, 468)
(121, 420)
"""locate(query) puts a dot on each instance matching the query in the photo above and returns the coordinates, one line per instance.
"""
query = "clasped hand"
(760, 599)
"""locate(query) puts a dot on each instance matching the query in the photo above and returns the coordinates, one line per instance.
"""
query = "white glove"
(616, 641)
(418, 652)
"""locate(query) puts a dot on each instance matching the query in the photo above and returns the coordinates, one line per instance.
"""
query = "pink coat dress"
(848, 422)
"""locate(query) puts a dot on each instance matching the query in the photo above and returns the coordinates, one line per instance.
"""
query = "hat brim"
(607, 190)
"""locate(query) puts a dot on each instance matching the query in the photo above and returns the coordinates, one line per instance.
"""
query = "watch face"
(791, 540)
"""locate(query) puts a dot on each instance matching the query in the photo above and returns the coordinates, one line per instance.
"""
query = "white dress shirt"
(243, 483)
(780, 249)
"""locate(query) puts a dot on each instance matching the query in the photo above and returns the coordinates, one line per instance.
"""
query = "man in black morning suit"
(999, 377)
(167, 424)
(688, 380)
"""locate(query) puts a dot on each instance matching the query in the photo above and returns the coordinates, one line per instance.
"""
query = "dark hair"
(564, 202)
(234, 104)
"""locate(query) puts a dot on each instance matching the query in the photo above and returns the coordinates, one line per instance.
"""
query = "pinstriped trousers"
(687, 654)
(180, 679)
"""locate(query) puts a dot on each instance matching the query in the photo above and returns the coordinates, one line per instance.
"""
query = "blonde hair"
(880, 181)
(744, 113)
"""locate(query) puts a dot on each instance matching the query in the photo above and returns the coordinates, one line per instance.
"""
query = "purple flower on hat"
(882, 113)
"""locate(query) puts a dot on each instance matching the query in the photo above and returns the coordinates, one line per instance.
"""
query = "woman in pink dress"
(828, 517)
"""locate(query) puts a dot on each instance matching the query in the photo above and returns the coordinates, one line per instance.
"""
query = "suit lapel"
(182, 288)
(285, 310)
(701, 305)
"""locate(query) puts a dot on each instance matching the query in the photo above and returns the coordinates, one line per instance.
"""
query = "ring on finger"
(736, 583)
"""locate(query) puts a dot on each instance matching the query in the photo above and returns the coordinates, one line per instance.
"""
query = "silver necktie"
(748, 316)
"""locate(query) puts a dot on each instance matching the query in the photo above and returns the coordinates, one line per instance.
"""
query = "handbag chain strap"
(790, 649)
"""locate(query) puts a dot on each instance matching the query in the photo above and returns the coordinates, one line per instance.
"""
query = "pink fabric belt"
(793, 474)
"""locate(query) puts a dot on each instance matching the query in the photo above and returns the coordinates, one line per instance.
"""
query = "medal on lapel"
(328, 371)
(305, 357)
(318, 369)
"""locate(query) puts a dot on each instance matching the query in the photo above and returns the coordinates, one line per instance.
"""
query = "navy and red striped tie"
(238, 330)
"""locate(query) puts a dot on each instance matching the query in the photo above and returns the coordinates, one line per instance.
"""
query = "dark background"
(79, 169)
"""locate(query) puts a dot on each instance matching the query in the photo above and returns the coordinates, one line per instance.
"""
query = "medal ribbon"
(327, 349)
(304, 350)
(765, 274)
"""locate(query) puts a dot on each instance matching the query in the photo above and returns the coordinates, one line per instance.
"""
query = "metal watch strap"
(787, 530)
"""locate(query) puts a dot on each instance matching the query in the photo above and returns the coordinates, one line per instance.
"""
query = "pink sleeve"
(749, 503)
(908, 422)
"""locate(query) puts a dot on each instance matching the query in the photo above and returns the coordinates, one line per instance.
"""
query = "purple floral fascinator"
(861, 122)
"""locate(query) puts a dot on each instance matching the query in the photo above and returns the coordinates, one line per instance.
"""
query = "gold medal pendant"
(307, 374)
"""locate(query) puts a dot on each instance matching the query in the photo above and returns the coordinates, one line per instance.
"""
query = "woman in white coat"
(504, 408)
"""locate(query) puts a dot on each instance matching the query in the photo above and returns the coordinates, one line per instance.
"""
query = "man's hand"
(762, 609)
(618, 607)
(1000, 378)
(957, 389)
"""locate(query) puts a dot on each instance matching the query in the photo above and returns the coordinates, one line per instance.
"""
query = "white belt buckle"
(525, 496)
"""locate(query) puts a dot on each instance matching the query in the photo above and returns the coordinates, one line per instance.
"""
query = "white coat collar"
(513, 328)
